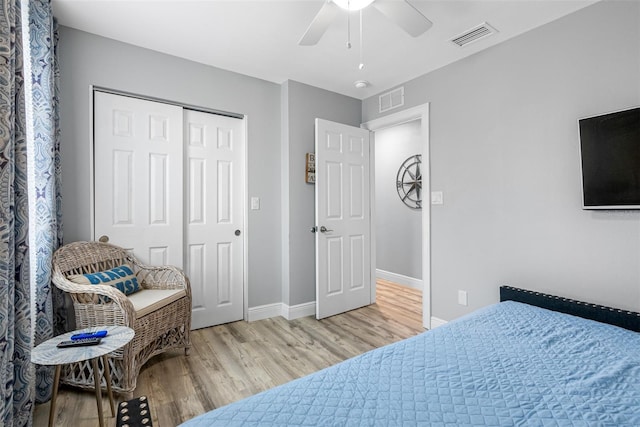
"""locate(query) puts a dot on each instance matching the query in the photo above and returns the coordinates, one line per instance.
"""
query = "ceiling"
(259, 38)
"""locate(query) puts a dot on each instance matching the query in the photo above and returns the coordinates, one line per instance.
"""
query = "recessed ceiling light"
(361, 84)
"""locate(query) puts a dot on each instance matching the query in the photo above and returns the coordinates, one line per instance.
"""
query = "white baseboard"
(399, 279)
(435, 322)
(264, 312)
(279, 309)
(309, 308)
(300, 310)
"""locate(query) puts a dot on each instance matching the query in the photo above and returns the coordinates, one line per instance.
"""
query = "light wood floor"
(236, 360)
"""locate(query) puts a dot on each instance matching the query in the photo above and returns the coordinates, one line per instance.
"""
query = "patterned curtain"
(29, 202)
(46, 231)
(16, 371)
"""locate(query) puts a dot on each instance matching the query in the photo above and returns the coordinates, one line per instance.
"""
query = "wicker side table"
(47, 353)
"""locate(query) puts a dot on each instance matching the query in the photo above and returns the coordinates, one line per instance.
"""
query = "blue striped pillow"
(121, 278)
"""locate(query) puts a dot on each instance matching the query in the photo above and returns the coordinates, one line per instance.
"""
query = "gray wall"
(301, 105)
(504, 150)
(398, 227)
(87, 59)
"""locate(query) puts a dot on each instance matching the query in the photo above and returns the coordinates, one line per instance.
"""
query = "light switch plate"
(255, 203)
(462, 298)
(436, 198)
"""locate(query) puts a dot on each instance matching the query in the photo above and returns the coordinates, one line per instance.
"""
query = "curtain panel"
(16, 371)
(30, 226)
(46, 222)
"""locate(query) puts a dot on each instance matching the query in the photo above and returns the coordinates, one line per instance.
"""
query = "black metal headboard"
(613, 316)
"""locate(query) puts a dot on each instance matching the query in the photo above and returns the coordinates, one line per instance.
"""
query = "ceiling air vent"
(476, 33)
(390, 100)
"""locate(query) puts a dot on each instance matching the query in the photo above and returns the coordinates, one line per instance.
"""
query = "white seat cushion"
(146, 301)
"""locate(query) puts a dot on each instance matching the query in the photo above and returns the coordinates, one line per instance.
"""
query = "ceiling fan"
(401, 12)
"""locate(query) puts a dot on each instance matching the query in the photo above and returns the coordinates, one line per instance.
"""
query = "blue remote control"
(85, 335)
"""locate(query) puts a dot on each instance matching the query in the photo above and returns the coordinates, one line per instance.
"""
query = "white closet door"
(214, 216)
(138, 171)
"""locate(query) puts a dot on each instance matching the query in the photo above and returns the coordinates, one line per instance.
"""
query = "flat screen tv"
(610, 152)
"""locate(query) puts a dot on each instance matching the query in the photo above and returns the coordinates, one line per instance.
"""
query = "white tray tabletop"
(47, 353)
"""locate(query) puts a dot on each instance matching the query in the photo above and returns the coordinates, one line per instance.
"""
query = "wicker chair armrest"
(161, 277)
(87, 294)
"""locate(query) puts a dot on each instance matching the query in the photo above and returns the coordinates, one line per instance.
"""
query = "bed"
(509, 364)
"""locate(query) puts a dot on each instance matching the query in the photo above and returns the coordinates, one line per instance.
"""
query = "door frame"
(245, 176)
(420, 112)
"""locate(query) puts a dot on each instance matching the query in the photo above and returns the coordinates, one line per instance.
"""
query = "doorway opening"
(400, 232)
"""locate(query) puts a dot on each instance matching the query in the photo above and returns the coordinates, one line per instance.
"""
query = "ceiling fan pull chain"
(361, 66)
(348, 25)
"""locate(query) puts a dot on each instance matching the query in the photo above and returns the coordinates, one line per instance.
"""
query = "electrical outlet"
(462, 298)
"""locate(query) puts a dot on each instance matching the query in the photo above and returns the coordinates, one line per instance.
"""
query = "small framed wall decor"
(310, 169)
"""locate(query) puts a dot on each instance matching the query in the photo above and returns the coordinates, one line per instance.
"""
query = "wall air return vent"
(390, 100)
(476, 33)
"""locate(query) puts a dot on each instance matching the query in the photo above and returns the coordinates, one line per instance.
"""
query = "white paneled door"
(169, 184)
(138, 169)
(343, 218)
(214, 217)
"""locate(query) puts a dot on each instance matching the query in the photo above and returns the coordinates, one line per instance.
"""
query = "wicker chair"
(158, 327)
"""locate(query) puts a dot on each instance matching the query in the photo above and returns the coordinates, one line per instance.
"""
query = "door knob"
(324, 229)
(314, 229)
(103, 239)
(237, 232)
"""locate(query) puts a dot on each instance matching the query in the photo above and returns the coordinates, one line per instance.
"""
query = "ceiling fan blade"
(405, 15)
(320, 23)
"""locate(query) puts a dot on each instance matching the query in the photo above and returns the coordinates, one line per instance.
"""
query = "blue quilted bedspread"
(507, 364)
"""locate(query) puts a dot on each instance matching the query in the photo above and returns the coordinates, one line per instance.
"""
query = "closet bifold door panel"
(169, 185)
(138, 177)
(214, 216)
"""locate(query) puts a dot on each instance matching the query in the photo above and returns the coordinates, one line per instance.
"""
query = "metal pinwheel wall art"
(409, 182)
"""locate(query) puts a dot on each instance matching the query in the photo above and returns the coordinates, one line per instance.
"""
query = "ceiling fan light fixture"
(352, 5)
